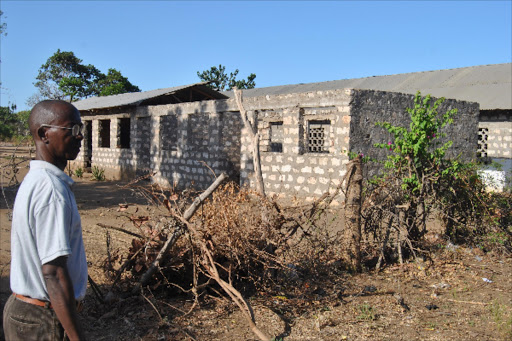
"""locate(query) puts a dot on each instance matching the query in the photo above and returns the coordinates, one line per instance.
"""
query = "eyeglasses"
(75, 130)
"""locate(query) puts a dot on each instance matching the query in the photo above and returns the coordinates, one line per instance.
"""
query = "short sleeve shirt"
(46, 225)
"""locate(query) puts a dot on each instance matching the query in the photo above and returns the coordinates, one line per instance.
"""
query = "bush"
(79, 172)
(98, 174)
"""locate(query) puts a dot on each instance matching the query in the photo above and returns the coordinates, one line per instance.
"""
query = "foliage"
(366, 312)
(13, 125)
(7, 122)
(79, 172)
(416, 154)
(63, 76)
(221, 81)
(419, 180)
(98, 174)
(3, 25)
(114, 83)
(417, 172)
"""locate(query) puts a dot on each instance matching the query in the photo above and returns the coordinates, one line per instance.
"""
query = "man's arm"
(62, 297)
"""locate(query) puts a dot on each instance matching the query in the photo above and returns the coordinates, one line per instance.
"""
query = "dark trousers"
(25, 321)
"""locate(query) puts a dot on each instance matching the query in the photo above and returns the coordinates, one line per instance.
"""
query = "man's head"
(50, 124)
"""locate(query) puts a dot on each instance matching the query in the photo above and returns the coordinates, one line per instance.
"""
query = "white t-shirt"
(45, 225)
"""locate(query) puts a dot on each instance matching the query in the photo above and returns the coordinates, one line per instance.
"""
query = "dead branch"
(180, 229)
(121, 230)
(353, 214)
(235, 295)
(467, 302)
(252, 129)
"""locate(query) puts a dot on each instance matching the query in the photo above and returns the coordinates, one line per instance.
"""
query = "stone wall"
(368, 107)
(495, 132)
(495, 148)
(181, 143)
(304, 139)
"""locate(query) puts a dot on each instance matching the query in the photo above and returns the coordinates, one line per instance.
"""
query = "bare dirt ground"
(462, 294)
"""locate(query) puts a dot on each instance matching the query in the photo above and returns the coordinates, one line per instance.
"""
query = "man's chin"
(73, 156)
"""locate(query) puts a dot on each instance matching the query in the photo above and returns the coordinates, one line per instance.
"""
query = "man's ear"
(42, 134)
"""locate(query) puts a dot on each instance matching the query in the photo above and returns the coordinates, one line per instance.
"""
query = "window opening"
(198, 132)
(104, 135)
(483, 135)
(276, 137)
(123, 138)
(169, 132)
(318, 136)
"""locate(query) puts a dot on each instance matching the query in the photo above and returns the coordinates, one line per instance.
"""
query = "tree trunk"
(353, 214)
(252, 129)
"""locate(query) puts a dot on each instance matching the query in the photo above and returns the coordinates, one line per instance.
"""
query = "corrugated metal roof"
(489, 85)
(135, 98)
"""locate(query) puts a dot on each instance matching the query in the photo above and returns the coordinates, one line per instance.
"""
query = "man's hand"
(62, 297)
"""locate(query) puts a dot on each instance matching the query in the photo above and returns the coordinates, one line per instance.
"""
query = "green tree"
(417, 160)
(114, 83)
(3, 25)
(7, 122)
(3, 28)
(63, 76)
(22, 128)
(221, 81)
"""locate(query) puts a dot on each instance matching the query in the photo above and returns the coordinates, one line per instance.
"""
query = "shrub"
(79, 172)
(98, 174)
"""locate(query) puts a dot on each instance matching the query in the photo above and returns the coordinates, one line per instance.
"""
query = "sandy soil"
(463, 294)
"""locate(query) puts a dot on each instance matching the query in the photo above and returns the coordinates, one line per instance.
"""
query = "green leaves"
(63, 76)
(221, 81)
(415, 151)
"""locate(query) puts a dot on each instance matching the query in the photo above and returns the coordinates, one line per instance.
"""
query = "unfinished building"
(185, 135)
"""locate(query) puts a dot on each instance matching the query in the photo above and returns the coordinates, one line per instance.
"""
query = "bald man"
(48, 264)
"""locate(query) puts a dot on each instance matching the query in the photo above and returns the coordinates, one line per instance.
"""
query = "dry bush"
(256, 244)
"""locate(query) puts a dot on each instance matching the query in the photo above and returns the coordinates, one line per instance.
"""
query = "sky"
(160, 44)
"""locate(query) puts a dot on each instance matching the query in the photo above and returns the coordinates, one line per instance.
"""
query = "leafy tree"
(3, 25)
(7, 122)
(114, 83)
(22, 128)
(220, 80)
(417, 162)
(63, 76)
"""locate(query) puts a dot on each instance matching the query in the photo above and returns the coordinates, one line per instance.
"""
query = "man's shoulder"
(42, 184)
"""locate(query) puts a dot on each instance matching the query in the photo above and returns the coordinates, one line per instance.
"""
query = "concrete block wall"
(207, 139)
(295, 171)
(495, 144)
(183, 143)
(498, 132)
(367, 107)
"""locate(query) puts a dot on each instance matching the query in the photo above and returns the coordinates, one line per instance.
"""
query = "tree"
(3, 26)
(63, 76)
(7, 122)
(220, 80)
(114, 83)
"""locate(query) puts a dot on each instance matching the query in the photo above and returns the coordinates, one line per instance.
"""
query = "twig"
(466, 302)
(121, 230)
(147, 299)
(96, 290)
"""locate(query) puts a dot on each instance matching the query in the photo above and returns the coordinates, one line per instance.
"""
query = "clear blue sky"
(164, 43)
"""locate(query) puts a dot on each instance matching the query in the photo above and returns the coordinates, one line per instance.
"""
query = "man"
(48, 264)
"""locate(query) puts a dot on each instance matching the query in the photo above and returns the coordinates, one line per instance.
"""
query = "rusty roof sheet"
(489, 85)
